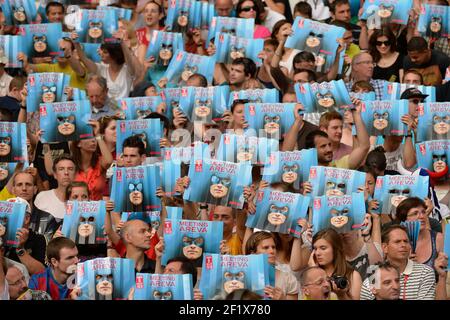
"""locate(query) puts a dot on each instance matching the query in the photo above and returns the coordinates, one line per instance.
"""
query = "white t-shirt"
(272, 18)
(119, 88)
(289, 63)
(48, 201)
(319, 10)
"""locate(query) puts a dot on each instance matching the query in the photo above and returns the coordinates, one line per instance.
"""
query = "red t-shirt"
(150, 253)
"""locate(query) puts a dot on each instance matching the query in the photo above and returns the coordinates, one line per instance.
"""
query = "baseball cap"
(413, 93)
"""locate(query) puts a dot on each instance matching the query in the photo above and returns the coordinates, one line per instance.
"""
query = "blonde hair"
(131, 32)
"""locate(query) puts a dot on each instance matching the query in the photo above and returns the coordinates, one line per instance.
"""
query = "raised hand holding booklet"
(149, 130)
(434, 156)
(434, 121)
(434, 21)
(13, 142)
(237, 27)
(229, 47)
(139, 107)
(46, 87)
(12, 218)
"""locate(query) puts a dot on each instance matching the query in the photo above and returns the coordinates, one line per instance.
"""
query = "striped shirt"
(45, 281)
(417, 282)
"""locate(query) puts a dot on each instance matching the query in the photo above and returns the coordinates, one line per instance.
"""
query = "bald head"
(362, 67)
(136, 234)
(224, 7)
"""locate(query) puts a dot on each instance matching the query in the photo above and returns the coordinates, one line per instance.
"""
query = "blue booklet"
(140, 107)
(318, 38)
(174, 213)
(180, 15)
(134, 189)
(13, 142)
(171, 98)
(384, 118)
(149, 130)
(433, 155)
(413, 228)
(46, 87)
(434, 121)
(390, 191)
(162, 47)
(163, 287)
(6, 172)
(91, 51)
(237, 27)
(151, 217)
(290, 167)
(382, 12)
(434, 21)
(171, 172)
(394, 90)
(229, 47)
(186, 64)
(11, 46)
(84, 222)
(218, 182)
(324, 96)
(363, 96)
(222, 274)
(121, 13)
(41, 40)
(279, 212)
(179, 155)
(334, 181)
(105, 278)
(19, 12)
(204, 13)
(204, 104)
(271, 120)
(97, 26)
(191, 238)
(256, 96)
(341, 213)
(243, 148)
(65, 121)
(12, 218)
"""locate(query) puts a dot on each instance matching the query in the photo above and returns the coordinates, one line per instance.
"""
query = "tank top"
(434, 253)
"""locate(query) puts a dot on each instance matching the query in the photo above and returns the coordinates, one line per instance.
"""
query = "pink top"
(261, 32)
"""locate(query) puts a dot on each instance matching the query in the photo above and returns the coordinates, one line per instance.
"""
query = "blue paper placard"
(237, 27)
(12, 218)
(384, 118)
(163, 287)
(149, 130)
(13, 142)
(434, 21)
(390, 191)
(341, 213)
(97, 26)
(229, 47)
(382, 12)
(162, 47)
(19, 12)
(140, 107)
(433, 155)
(41, 40)
(46, 87)
(434, 121)
(256, 96)
(11, 46)
(65, 121)
(394, 90)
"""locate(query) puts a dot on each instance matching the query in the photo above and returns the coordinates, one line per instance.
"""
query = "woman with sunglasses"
(249, 9)
(430, 242)
(383, 49)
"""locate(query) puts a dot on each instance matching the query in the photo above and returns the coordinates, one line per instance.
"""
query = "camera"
(340, 281)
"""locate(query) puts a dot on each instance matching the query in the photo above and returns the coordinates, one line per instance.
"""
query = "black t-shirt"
(443, 92)
(433, 71)
(391, 73)
(148, 266)
(56, 150)
(35, 246)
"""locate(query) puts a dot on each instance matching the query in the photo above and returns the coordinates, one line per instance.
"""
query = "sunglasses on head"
(248, 9)
(386, 43)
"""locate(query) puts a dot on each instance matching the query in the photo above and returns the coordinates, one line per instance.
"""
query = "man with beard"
(62, 255)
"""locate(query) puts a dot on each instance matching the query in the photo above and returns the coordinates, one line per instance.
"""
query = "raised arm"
(290, 140)
(90, 65)
(360, 151)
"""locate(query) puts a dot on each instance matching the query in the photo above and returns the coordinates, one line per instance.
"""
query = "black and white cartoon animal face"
(233, 281)
(277, 215)
(188, 71)
(272, 123)
(380, 120)
(66, 124)
(339, 217)
(162, 295)
(290, 173)
(441, 124)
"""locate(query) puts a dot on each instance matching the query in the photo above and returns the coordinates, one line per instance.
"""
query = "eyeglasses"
(248, 9)
(416, 214)
(386, 43)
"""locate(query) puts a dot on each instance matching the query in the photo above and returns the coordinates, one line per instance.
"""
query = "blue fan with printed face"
(447, 245)
(413, 232)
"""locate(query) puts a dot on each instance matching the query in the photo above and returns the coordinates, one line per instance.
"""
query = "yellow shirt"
(235, 245)
(341, 163)
(5, 195)
(76, 81)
